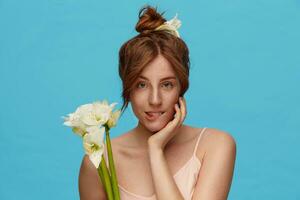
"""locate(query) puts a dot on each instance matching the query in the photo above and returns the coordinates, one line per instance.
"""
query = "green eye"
(141, 85)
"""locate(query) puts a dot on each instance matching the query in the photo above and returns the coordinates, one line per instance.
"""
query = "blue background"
(58, 54)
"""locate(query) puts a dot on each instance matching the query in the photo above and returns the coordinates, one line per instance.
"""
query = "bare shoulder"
(90, 185)
(217, 134)
(217, 168)
(216, 139)
(87, 165)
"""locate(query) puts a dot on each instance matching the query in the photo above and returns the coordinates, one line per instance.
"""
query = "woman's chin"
(154, 128)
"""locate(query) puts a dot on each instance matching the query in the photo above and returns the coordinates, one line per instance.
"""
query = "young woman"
(162, 158)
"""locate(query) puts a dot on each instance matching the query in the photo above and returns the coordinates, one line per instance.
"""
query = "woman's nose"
(155, 97)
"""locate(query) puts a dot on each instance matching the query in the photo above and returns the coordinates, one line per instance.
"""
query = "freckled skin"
(155, 94)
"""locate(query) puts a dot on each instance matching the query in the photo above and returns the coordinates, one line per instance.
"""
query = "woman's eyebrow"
(165, 78)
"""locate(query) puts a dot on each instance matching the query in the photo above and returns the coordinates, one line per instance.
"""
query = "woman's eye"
(141, 85)
(168, 85)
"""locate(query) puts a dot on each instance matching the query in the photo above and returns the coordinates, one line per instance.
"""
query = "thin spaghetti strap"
(200, 135)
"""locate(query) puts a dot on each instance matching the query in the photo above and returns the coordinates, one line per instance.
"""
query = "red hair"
(139, 51)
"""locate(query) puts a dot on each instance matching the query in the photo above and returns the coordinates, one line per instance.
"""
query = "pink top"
(185, 178)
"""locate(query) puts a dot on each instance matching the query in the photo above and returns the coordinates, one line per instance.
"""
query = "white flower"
(87, 115)
(102, 112)
(176, 23)
(114, 119)
(73, 120)
(171, 26)
(93, 143)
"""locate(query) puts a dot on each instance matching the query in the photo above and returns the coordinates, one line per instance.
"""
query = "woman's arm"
(90, 185)
(164, 183)
(217, 167)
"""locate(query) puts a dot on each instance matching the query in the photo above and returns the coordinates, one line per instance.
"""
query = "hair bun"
(149, 19)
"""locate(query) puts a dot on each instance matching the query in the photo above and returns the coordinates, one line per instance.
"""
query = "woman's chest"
(134, 173)
(134, 170)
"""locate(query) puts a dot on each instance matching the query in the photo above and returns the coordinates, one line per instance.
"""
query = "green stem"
(101, 175)
(105, 178)
(114, 180)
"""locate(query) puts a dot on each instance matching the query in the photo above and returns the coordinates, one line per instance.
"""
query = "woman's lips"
(153, 115)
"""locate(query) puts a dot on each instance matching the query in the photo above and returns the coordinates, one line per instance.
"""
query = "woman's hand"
(162, 137)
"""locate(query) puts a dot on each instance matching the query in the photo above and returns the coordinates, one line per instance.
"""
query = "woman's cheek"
(170, 114)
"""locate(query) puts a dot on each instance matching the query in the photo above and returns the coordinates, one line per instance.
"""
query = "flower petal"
(95, 135)
(114, 119)
(96, 157)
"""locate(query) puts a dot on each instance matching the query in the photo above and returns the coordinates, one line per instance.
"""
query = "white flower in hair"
(171, 26)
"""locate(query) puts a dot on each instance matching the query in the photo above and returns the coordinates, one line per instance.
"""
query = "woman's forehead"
(161, 78)
(159, 68)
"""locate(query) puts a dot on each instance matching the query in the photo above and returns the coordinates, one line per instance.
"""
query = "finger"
(178, 115)
(178, 112)
(182, 109)
(185, 107)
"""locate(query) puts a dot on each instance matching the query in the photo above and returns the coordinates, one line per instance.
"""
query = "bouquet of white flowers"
(90, 121)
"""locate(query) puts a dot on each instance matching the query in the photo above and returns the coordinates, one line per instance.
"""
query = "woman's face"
(155, 93)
